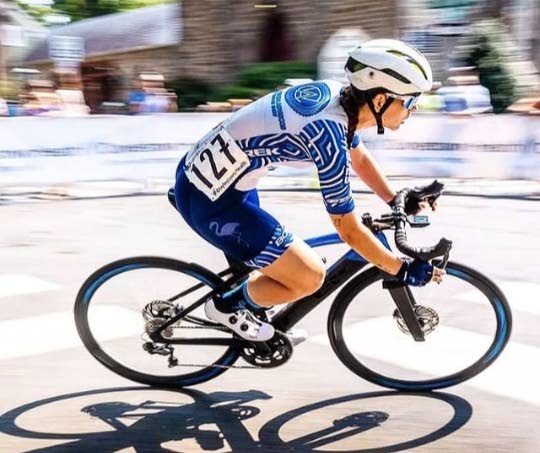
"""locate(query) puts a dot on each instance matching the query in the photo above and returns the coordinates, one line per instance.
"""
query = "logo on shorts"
(283, 237)
(308, 99)
(228, 229)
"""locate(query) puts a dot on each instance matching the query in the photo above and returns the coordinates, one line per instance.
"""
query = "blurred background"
(121, 59)
(133, 56)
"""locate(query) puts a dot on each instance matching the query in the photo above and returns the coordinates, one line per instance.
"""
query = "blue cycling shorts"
(234, 223)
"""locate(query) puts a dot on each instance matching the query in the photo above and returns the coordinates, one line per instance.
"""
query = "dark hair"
(351, 99)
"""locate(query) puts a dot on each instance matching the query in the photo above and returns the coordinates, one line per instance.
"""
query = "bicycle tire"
(105, 273)
(373, 275)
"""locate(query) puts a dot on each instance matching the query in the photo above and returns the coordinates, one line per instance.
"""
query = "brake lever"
(432, 200)
(429, 193)
(445, 259)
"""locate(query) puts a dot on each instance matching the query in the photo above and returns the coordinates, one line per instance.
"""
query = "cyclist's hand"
(414, 205)
(418, 273)
(420, 198)
(425, 202)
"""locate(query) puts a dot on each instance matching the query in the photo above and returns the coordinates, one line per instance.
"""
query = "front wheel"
(121, 302)
(466, 319)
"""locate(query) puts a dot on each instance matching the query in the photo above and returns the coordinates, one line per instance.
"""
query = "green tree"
(487, 54)
(84, 9)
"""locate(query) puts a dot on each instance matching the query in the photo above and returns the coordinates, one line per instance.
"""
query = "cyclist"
(314, 123)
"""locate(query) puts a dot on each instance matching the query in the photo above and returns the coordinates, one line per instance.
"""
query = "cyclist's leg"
(279, 282)
(238, 226)
(297, 273)
(288, 268)
(294, 271)
(226, 224)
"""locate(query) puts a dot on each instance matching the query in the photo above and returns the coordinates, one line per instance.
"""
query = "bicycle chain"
(224, 329)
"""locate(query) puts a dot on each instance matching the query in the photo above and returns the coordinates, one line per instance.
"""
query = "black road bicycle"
(143, 317)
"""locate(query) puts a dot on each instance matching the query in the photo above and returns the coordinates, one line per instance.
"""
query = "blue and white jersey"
(301, 125)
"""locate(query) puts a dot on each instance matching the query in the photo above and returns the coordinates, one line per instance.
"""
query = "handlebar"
(432, 192)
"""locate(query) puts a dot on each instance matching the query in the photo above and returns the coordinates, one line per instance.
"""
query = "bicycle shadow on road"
(212, 422)
(356, 424)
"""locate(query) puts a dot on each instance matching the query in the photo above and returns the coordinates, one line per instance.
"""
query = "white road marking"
(515, 374)
(522, 296)
(16, 284)
(57, 331)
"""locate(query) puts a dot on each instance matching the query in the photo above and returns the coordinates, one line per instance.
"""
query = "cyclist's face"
(396, 114)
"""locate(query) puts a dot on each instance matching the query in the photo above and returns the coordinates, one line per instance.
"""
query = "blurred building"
(224, 36)
(113, 49)
(212, 39)
(18, 32)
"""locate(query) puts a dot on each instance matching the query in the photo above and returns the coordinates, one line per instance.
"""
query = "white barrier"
(484, 146)
(45, 150)
(63, 150)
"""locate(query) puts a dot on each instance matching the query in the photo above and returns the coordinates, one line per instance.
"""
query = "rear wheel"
(117, 305)
(467, 323)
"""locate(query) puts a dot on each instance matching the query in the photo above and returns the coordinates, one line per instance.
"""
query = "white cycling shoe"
(241, 322)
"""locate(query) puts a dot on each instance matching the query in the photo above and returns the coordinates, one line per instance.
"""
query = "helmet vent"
(354, 66)
(411, 60)
(396, 75)
(418, 68)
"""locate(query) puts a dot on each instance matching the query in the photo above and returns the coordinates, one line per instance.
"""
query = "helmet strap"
(378, 115)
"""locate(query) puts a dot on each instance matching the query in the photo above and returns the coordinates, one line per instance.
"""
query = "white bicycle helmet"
(389, 64)
(393, 66)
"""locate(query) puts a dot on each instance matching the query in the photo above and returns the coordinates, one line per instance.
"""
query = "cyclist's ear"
(378, 101)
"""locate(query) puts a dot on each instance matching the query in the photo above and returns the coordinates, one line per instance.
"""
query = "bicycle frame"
(341, 271)
(337, 274)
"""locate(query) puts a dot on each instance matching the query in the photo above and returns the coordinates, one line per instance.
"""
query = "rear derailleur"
(164, 350)
(155, 314)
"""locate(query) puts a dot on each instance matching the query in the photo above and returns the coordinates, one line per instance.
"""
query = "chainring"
(268, 354)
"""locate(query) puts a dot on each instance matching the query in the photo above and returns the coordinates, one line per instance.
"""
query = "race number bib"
(215, 164)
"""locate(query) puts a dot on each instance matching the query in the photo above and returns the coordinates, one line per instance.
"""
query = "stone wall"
(221, 36)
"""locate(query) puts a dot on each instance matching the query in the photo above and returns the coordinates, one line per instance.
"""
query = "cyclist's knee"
(299, 269)
(309, 279)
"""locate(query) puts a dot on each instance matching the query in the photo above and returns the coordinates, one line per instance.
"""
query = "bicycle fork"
(406, 304)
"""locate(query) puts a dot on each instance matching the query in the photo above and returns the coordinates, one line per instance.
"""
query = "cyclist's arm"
(362, 241)
(366, 167)
(330, 154)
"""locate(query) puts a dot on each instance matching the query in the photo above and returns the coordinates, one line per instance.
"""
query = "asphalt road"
(57, 397)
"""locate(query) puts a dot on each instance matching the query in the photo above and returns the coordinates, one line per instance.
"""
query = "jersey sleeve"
(328, 149)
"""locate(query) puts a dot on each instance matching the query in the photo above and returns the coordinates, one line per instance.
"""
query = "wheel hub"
(427, 318)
